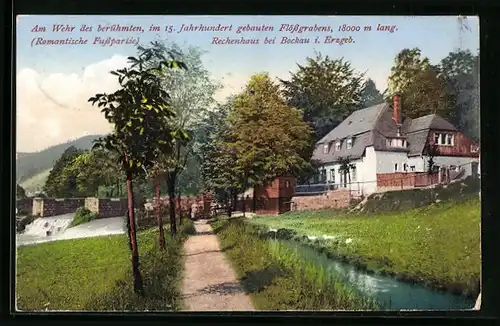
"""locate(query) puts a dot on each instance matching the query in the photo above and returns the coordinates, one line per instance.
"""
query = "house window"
(436, 138)
(349, 143)
(337, 146)
(405, 167)
(332, 175)
(412, 167)
(353, 173)
(449, 139)
(325, 149)
(287, 184)
(323, 175)
(395, 167)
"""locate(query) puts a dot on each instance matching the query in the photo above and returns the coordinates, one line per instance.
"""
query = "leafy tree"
(191, 97)
(20, 192)
(141, 115)
(420, 86)
(266, 136)
(407, 65)
(370, 95)
(460, 70)
(96, 168)
(60, 184)
(327, 90)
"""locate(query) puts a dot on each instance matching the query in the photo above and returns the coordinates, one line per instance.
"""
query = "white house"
(379, 140)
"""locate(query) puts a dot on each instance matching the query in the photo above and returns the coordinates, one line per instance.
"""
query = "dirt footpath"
(209, 281)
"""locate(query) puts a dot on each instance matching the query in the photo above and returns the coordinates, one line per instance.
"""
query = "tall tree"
(370, 95)
(267, 136)
(420, 86)
(191, 98)
(140, 113)
(58, 183)
(460, 70)
(327, 90)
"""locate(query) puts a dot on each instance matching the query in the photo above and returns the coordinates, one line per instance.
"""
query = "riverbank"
(94, 274)
(437, 246)
(276, 278)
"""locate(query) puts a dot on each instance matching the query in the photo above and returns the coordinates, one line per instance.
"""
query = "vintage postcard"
(247, 163)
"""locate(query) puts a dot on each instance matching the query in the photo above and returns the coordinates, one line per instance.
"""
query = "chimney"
(396, 109)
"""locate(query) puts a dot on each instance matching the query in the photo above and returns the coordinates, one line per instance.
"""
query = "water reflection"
(391, 293)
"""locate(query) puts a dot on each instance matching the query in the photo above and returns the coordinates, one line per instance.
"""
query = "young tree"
(326, 90)
(191, 98)
(267, 137)
(140, 114)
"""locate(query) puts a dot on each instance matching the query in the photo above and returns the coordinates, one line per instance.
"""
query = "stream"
(389, 292)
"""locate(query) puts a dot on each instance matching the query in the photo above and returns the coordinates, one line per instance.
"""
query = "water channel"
(391, 294)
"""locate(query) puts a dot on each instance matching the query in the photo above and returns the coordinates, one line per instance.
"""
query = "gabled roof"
(358, 122)
(430, 121)
(360, 142)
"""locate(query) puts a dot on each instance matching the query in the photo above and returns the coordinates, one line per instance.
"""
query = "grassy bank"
(95, 274)
(438, 246)
(278, 279)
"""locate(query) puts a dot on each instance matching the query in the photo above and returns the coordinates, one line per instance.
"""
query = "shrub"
(83, 215)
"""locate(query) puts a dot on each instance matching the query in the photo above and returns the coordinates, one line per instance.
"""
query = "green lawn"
(95, 274)
(438, 245)
(277, 278)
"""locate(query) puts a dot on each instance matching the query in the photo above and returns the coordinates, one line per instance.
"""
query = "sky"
(54, 82)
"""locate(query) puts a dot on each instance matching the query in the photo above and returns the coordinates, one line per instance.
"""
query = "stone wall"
(339, 198)
(56, 206)
(104, 207)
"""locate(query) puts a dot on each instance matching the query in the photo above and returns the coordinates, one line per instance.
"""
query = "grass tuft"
(83, 215)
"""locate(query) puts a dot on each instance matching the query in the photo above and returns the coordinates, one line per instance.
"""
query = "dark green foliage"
(326, 90)
(60, 184)
(30, 164)
(83, 215)
(20, 193)
(370, 95)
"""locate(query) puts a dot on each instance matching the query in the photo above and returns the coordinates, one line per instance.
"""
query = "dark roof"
(430, 121)
(360, 142)
(358, 122)
(371, 127)
(416, 141)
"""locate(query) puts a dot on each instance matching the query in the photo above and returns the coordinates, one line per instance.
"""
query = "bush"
(83, 215)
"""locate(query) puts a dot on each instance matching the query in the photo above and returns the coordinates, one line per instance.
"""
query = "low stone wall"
(104, 207)
(56, 206)
(339, 198)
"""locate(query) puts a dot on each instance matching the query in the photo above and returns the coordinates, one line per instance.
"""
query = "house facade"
(380, 140)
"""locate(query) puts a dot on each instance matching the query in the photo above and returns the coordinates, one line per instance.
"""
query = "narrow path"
(209, 281)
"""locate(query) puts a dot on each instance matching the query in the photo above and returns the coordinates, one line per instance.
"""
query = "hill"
(29, 165)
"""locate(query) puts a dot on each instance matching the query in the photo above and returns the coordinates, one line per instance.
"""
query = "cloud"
(54, 109)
